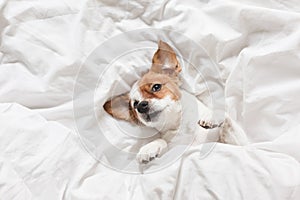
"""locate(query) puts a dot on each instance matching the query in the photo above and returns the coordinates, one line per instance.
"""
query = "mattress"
(61, 60)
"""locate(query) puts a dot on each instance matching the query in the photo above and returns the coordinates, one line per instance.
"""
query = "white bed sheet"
(255, 45)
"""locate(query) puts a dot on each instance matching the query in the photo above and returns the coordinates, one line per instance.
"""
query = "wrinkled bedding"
(254, 45)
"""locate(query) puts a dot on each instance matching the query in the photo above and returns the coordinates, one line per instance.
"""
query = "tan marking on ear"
(165, 60)
(107, 107)
(118, 107)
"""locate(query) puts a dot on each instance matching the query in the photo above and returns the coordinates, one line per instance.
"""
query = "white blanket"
(254, 45)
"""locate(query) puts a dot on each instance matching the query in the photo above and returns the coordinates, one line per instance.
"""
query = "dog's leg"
(231, 133)
(155, 148)
(151, 150)
(208, 132)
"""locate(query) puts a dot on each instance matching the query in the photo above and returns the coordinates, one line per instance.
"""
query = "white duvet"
(46, 153)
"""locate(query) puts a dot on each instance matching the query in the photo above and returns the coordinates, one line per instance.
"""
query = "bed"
(53, 52)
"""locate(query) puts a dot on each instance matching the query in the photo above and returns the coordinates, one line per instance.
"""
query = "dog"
(154, 101)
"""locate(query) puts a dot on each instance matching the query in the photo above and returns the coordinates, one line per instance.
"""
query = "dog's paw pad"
(147, 160)
(148, 153)
(207, 124)
(145, 157)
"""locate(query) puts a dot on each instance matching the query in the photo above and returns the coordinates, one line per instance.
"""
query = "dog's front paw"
(151, 151)
(207, 124)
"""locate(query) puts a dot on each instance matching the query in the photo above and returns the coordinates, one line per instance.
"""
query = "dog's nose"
(143, 107)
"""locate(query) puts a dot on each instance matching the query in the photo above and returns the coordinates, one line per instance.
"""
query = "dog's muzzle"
(143, 107)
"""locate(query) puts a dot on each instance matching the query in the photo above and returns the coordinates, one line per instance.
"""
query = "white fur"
(152, 150)
(231, 133)
(135, 93)
(169, 117)
(167, 123)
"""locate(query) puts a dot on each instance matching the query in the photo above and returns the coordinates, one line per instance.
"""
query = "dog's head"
(155, 96)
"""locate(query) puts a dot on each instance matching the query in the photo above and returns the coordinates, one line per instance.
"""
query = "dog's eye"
(156, 87)
(135, 103)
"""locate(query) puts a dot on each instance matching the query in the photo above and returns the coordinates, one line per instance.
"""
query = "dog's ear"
(164, 60)
(119, 107)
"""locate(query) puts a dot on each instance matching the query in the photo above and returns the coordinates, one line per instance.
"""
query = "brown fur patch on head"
(165, 69)
(169, 86)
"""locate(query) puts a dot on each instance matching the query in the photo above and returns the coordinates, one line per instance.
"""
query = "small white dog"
(154, 101)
